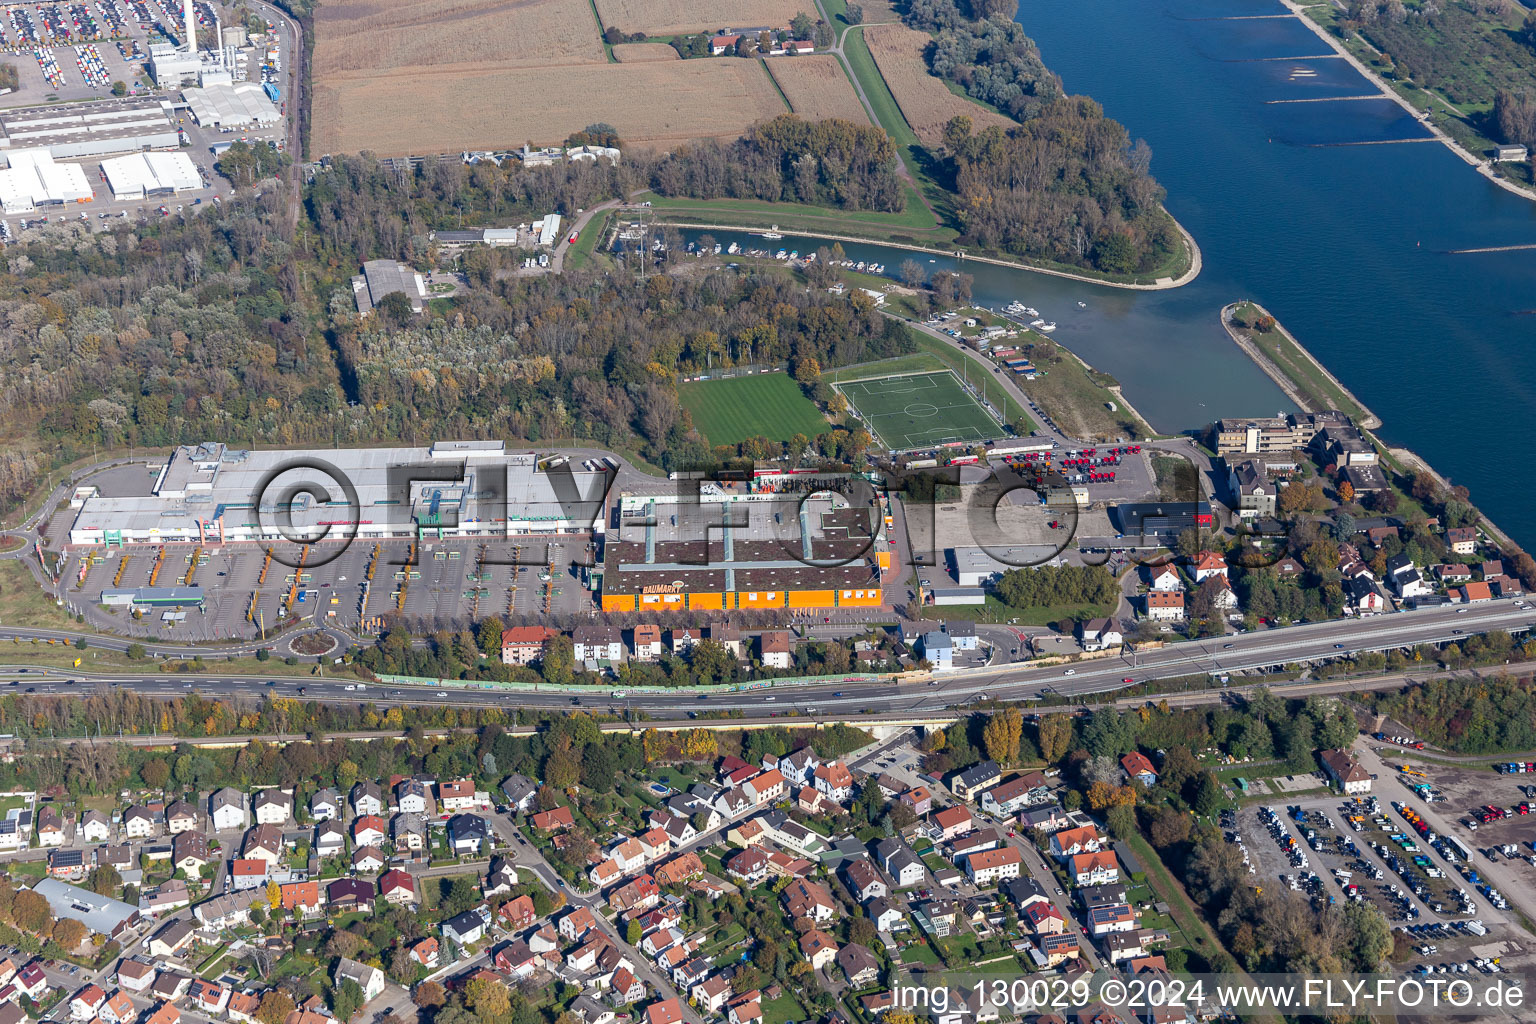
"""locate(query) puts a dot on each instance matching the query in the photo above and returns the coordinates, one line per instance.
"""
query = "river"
(1346, 244)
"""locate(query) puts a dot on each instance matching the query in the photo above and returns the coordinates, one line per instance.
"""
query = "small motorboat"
(1044, 326)
(1082, 305)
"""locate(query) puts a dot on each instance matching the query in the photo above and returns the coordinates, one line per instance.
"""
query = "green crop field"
(767, 405)
(916, 410)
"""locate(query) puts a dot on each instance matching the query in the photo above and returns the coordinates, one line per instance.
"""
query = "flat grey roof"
(98, 913)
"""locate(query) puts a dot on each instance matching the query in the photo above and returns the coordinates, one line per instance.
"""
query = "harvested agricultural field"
(451, 108)
(880, 12)
(817, 88)
(642, 53)
(925, 101)
(367, 35)
(674, 17)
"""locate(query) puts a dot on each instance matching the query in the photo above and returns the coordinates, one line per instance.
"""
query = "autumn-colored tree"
(1346, 492)
(274, 895)
(69, 933)
(428, 994)
(489, 999)
(155, 773)
(1001, 735)
(1055, 736)
(1100, 795)
(274, 1008)
(30, 912)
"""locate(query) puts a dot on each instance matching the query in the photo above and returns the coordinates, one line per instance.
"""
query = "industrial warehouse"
(139, 175)
(34, 180)
(211, 493)
(91, 129)
(728, 545)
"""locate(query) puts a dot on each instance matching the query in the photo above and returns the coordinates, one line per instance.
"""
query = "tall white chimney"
(191, 27)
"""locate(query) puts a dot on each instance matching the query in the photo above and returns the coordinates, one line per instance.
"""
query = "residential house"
(501, 877)
(1255, 494)
(524, 645)
(368, 830)
(638, 893)
(775, 649)
(1071, 841)
(226, 809)
(189, 852)
(969, 784)
(367, 798)
(346, 894)
(647, 645)
(325, 804)
(367, 859)
(467, 834)
(1137, 766)
(918, 799)
(180, 817)
(885, 914)
(1207, 564)
(1164, 605)
(64, 863)
(272, 806)
(329, 838)
(624, 988)
(119, 1009)
(456, 795)
(263, 842)
(864, 880)
(577, 923)
(94, 827)
(769, 786)
(938, 650)
(1101, 635)
(1475, 592)
(464, 929)
(745, 1009)
(87, 1002)
(899, 862)
(805, 898)
(684, 640)
(711, 994)
(1017, 793)
(1362, 594)
(818, 948)
(411, 796)
(553, 820)
(249, 872)
(408, 832)
(973, 842)
(1094, 868)
(990, 866)
(749, 865)
(369, 979)
(1057, 948)
(1113, 917)
(728, 637)
(135, 975)
(954, 821)
(664, 1011)
(597, 642)
(680, 869)
(519, 792)
(859, 965)
(425, 952)
(1455, 573)
(209, 996)
(138, 823)
(1043, 918)
(1462, 540)
(1345, 772)
(835, 781)
(1164, 578)
(515, 915)
(171, 940)
(397, 887)
(301, 898)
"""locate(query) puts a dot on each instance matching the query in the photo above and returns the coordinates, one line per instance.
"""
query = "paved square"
(919, 410)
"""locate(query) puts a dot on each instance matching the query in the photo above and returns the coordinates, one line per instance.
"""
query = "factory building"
(34, 180)
(726, 545)
(210, 493)
(383, 277)
(219, 104)
(141, 175)
(91, 129)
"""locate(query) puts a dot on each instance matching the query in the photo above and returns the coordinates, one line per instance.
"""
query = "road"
(851, 700)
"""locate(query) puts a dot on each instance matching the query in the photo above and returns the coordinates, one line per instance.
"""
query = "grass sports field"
(919, 409)
(767, 405)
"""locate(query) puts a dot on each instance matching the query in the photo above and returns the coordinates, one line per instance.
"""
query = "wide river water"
(1346, 244)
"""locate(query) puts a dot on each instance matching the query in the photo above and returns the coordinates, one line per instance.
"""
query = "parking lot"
(450, 583)
(1333, 849)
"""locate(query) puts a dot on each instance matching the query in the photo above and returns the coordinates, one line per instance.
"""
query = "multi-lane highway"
(1224, 655)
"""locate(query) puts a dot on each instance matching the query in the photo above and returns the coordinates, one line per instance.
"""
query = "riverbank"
(1161, 284)
(1478, 164)
(1297, 372)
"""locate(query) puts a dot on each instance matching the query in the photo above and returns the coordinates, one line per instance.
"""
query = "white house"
(369, 979)
(1101, 635)
(272, 806)
(226, 809)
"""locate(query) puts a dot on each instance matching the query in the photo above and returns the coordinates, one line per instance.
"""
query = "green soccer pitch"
(919, 410)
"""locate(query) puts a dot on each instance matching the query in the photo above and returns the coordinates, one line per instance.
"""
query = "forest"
(1067, 184)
